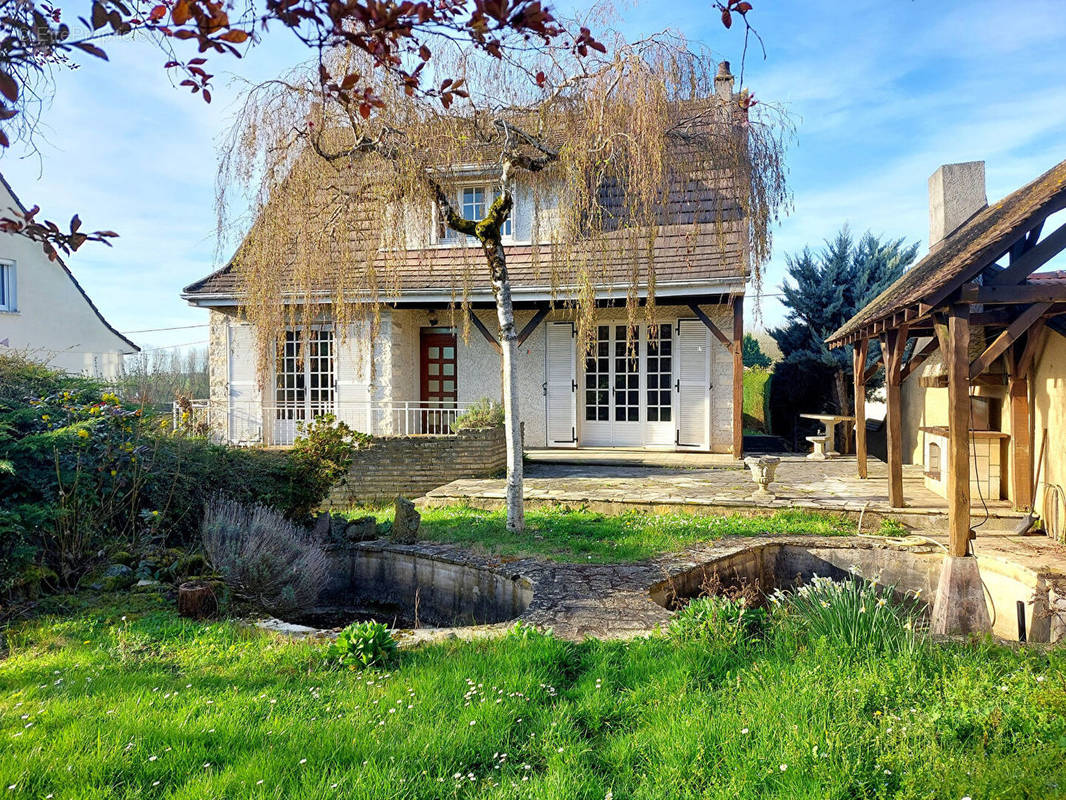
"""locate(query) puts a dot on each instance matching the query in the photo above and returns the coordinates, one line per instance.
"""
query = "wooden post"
(858, 356)
(1021, 446)
(954, 336)
(893, 344)
(738, 376)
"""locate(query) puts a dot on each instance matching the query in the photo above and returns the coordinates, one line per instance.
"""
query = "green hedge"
(84, 476)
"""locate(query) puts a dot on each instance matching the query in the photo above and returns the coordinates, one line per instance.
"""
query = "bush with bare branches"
(263, 557)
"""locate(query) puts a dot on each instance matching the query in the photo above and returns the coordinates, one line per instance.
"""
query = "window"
(660, 374)
(7, 286)
(305, 385)
(473, 204)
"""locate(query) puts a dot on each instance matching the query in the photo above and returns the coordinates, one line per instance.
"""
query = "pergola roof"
(977, 244)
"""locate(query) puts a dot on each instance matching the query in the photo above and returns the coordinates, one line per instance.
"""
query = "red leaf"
(157, 13)
(743, 8)
(91, 49)
(207, 96)
(727, 18)
(4, 141)
(541, 78)
(236, 36)
(8, 87)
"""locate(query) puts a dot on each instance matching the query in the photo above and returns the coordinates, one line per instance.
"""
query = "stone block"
(406, 522)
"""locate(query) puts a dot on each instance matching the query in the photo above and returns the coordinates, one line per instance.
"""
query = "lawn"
(130, 702)
(573, 535)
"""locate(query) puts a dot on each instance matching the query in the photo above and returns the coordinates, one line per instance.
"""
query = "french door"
(627, 388)
(305, 381)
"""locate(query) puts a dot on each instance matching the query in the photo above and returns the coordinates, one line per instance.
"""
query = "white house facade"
(46, 314)
(674, 384)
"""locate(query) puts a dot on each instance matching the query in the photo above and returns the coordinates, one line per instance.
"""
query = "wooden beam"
(711, 326)
(871, 370)
(1023, 293)
(1021, 451)
(1035, 257)
(941, 381)
(859, 386)
(1032, 344)
(953, 331)
(895, 341)
(531, 326)
(738, 376)
(1024, 321)
(495, 342)
(917, 359)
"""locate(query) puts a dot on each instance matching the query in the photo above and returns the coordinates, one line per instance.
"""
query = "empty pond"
(773, 566)
(407, 589)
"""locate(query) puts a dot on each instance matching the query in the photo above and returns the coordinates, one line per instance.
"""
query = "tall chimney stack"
(723, 83)
(956, 193)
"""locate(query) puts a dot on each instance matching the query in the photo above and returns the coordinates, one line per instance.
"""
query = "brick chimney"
(723, 83)
(956, 193)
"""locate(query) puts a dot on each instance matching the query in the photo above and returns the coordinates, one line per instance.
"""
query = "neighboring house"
(981, 262)
(45, 313)
(679, 390)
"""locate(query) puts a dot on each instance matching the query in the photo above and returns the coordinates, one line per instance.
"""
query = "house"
(46, 314)
(679, 388)
(973, 346)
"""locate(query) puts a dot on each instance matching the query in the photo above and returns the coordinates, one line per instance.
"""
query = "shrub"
(263, 557)
(83, 475)
(364, 644)
(482, 414)
(322, 454)
(856, 615)
(717, 618)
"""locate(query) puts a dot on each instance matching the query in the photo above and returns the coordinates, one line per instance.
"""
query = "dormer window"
(473, 203)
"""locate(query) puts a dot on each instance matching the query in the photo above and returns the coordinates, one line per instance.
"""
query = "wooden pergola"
(979, 277)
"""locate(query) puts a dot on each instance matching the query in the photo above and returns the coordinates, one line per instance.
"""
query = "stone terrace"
(800, 483)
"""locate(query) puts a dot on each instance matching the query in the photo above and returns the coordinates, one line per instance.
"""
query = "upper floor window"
(474, 203)
(7, 286)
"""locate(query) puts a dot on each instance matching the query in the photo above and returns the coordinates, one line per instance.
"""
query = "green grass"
(574, 535)
(93, 706)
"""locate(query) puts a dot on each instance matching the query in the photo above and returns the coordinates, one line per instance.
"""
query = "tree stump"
(197, 600)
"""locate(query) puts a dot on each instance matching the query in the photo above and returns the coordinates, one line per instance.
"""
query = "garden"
(826, 689)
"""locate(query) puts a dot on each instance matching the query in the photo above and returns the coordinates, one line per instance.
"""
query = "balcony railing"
(249, 423)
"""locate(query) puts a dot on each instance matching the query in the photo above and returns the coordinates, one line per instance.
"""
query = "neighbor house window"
(7, 286)
(473, 203)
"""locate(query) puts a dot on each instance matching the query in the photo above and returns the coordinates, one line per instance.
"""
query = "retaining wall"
(412, 465)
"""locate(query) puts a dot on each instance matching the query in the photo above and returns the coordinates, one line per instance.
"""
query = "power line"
(172, 346)
(176, 328)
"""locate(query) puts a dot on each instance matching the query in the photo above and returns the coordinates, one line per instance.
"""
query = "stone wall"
(412, 465)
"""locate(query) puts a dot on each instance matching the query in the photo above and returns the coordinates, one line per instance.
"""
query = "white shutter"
(245, 407)
(560, 388)
(353, 378)
(693, 382)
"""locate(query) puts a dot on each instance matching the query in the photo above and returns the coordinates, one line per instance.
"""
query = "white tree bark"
(501, 287)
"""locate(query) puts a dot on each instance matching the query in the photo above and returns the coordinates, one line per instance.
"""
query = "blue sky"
(881, 91)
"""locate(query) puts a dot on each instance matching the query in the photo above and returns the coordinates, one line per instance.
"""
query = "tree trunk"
(501, 287)
(840, 386)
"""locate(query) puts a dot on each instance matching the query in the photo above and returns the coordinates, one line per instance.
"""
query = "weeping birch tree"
(342, 203)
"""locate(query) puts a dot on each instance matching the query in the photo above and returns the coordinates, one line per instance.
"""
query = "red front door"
(438, 380)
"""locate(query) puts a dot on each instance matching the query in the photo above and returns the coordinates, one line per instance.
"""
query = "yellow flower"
(46, 417)
(84, 434)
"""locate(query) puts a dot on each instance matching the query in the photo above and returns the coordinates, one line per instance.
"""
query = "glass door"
(305, 381)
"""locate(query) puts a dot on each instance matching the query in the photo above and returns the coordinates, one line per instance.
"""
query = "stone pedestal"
(762, 472)
(960, 605)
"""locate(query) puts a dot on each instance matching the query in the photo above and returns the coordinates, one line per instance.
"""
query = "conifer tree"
(827, 288)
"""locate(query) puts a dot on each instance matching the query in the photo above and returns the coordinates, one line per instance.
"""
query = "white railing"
(249, 423)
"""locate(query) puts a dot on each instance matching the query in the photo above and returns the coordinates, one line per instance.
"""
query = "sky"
(881, 92)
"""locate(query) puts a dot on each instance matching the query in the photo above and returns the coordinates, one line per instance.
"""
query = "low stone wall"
(410, 466)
